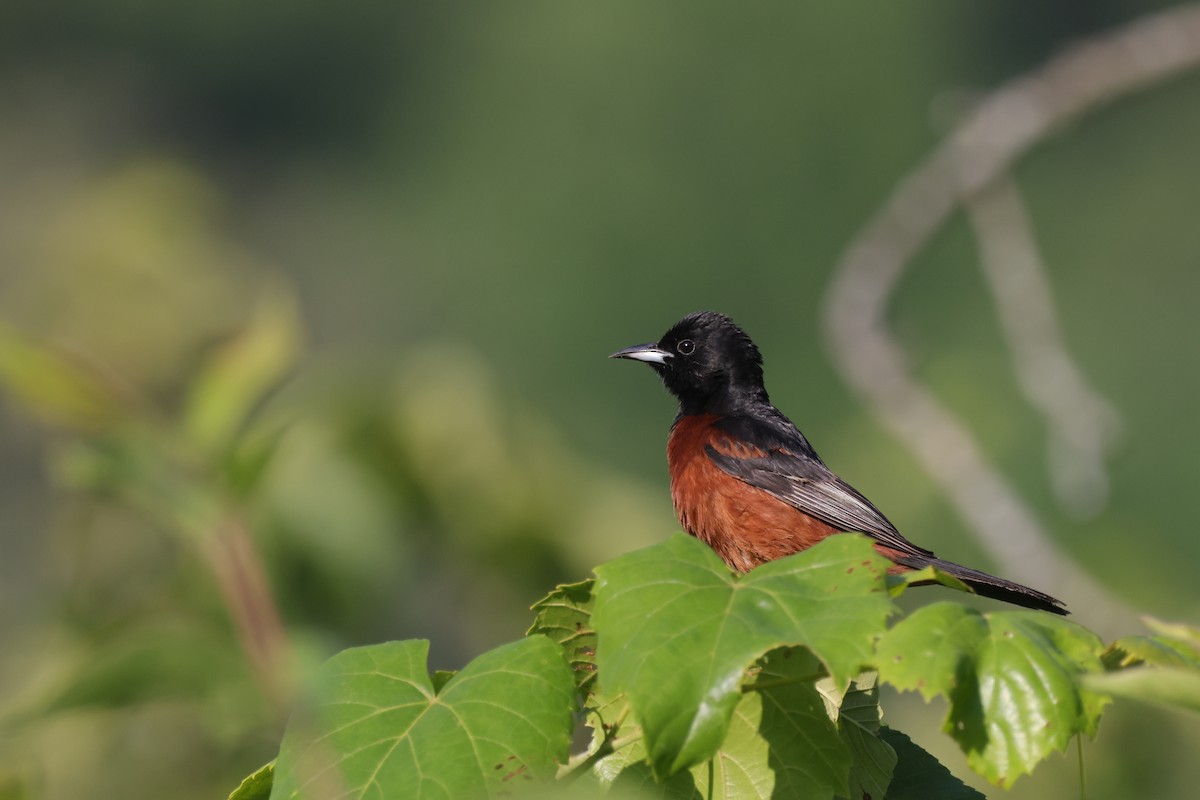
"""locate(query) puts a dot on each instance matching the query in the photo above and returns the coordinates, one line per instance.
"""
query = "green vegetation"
(714, 685)
(303, 317)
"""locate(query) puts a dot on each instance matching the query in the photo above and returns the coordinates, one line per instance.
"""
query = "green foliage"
(1163, 669)
(689, 681)
(918, 775)
(858, 716)
(677, 631)
(1012, 678)
(565, 615)
(200, 516)
(697, 683)
(379, 727)
(257, 785)
(235, 378)
(59, 391)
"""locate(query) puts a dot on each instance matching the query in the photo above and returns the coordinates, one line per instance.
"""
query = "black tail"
(990, 585)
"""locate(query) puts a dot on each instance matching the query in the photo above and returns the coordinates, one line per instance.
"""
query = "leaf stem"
(1082, 775)
(581, 763)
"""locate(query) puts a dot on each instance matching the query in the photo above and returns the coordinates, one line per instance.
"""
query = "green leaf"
(57, 389)
(239, 373)
(142, 664)
(920, 776)
(677, 631)
(637, 779)
(380, 730)
(857, 715)
(924, 651)
(897, 584)
(565, 615)
(248, 462)
(142, 468)
(257, 785)
(606, 721)
(781, 743)
(441, 677)
(1165, 686)
(1155, 650)
(1013, 679)
(1187, 634)
(1163, 669)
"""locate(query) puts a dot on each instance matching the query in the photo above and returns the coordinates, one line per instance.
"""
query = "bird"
(746, 481)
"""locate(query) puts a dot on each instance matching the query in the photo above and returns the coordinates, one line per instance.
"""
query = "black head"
(707, 362)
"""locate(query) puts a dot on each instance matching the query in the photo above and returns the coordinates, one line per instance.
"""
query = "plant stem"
(581, 763)
(1082, 775)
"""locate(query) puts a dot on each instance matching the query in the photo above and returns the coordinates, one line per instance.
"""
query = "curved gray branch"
(1000, 129)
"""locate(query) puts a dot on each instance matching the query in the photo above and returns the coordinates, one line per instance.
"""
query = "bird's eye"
(685, 347)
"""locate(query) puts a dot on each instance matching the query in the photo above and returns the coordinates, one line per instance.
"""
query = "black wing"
(791, 471)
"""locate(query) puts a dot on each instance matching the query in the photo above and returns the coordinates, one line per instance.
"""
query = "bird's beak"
(651, 353)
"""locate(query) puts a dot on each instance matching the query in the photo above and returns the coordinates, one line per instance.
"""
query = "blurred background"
(304, 314)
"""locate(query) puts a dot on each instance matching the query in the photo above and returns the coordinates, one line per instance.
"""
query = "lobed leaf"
(924, 651)
(857, 715)
(565, 615)
(781, 743)
(677, 631)
(379, 728)
(1012, 677)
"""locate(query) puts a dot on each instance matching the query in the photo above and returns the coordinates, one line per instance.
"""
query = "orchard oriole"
(745, 480)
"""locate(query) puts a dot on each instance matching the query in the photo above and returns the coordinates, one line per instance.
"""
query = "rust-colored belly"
(745, 525)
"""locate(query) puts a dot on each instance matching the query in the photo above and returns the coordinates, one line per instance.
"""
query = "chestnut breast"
(745, 525)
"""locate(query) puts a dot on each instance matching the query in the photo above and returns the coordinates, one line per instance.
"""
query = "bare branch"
(1001, 128)
(1082, 427)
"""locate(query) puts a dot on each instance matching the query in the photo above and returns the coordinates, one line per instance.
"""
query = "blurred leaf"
(1171, 687)
(920, 776)
(565, 615)
(257, 785)
(247, 464)
(1189, 634)
(677, 631)
(1155, 650)
(241, 371)
(55, 389)
(142, 469)
(1012, 678)
(336, 515)
(151, 663)
(15, 787)
(381, 729)
(136, 271)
